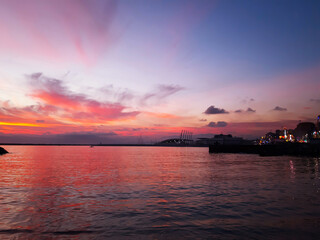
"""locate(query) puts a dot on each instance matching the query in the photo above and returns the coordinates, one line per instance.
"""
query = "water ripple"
(156, 193)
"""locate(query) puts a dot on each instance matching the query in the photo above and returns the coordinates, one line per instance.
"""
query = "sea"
(103, 192)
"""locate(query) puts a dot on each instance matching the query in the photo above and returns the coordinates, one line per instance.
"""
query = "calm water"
(156, 193)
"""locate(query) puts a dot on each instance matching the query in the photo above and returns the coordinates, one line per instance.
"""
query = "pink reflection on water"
(53, 179)
(51, 191)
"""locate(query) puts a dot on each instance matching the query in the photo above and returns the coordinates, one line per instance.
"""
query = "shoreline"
(98, 145)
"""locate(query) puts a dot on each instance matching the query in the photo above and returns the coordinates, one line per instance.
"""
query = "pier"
(292, 149)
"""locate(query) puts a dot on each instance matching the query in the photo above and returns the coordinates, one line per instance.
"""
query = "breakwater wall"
(293, 149)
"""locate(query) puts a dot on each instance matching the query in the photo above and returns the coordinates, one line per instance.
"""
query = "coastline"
(98, 145)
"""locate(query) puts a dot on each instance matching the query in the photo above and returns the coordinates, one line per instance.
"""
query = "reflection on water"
(155, 193)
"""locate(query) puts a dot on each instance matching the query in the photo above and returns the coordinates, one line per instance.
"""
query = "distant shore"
(98, 145)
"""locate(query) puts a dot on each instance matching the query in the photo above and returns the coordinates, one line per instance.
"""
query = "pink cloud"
(56, 29)
(77, 106)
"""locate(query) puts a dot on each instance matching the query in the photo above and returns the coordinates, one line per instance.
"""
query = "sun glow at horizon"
(20, 124)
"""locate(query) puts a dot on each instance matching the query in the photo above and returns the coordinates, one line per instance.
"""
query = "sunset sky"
(80, 71)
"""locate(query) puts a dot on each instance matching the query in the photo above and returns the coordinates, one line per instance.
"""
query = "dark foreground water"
(49, 192)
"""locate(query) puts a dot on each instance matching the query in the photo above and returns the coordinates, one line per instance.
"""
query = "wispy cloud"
(181, 24)
(153, 97)
(160, 93)
(118, 94)
(59, 109)
(84, 25)
(79, 107)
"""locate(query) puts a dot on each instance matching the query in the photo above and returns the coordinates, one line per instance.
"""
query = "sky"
(81, 71)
